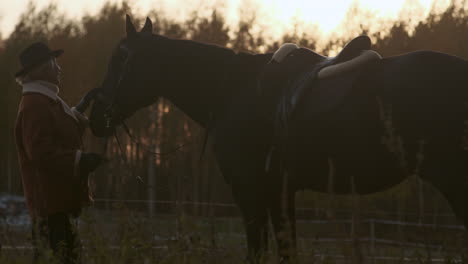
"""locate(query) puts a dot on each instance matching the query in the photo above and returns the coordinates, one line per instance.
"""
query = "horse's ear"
(131, 31)
(148, 27)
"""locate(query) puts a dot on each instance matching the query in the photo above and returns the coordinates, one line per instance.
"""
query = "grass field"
(126, 236)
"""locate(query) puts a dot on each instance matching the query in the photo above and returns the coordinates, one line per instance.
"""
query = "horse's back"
(426, 90)
(398, 99)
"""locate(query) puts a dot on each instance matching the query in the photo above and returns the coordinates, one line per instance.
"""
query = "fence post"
(372, 237)
(355, 221)
(421, 200)
(331, 189)
(151, 180)
(8, 169)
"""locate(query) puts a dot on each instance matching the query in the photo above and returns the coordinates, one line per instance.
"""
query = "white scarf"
(50, 90)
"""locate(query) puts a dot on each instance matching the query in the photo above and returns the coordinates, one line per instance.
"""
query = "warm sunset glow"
(275, 16)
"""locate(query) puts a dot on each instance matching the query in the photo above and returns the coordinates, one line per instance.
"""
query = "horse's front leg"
(283, 218)
(255, 216)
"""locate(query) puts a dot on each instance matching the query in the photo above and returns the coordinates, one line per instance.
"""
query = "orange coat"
(49, 143)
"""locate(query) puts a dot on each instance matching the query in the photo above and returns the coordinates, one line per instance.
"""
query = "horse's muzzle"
(86, 100)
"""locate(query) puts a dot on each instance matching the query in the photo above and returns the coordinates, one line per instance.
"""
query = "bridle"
(98, 94)
(109, 112)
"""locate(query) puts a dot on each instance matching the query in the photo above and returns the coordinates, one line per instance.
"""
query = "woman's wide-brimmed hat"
(34, 55)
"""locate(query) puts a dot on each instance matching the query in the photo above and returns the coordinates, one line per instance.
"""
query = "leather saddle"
(292, 71)
(350, 51)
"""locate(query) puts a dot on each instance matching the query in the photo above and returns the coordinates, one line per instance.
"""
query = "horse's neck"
(208, 85)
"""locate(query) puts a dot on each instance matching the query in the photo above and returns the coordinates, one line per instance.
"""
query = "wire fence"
(232, 210)
(369, 236)
(369, 223)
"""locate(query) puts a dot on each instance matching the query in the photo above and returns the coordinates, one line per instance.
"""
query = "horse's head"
(126, 88)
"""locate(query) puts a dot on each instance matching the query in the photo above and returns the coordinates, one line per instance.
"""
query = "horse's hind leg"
(284, 224)
(445, 165)
(447, 170)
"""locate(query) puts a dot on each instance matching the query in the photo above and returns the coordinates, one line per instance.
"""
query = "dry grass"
(126, 236)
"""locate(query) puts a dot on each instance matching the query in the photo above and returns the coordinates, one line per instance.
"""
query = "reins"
(122, 156)
(147, 149)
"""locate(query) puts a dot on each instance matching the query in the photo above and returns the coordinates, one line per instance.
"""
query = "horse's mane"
(195, 48)
(242, 67)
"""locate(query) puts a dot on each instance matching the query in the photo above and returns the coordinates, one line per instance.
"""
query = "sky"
(277, 15)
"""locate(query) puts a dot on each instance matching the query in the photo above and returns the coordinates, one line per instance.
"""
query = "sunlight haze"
(275, 15)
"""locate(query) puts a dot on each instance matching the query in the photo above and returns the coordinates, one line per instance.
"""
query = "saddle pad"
(340, 68)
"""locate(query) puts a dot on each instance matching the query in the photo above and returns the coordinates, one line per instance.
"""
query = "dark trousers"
(55, 232)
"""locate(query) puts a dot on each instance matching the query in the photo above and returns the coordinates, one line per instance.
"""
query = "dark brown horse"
(399, 116)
